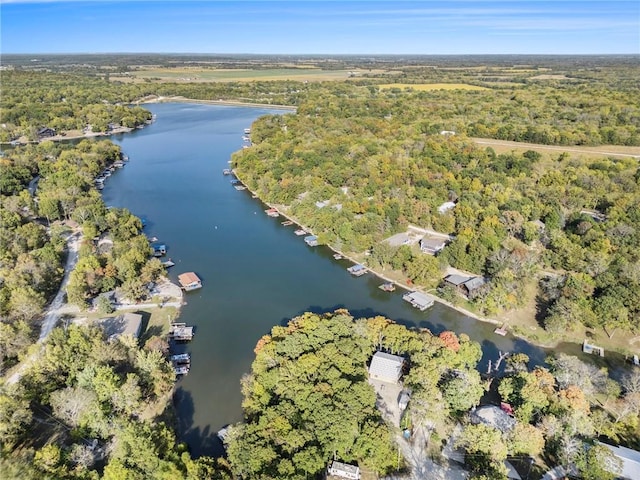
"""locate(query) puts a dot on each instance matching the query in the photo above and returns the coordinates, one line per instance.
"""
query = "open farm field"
(424, 87)
(503, 146)
(239, 75)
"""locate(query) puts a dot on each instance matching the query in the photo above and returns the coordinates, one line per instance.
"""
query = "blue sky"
(326, 27)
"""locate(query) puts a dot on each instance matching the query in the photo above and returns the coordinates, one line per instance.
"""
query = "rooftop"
(386, 367)
(188, 278)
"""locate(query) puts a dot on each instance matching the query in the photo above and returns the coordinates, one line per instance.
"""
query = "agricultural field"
(424, 87)
(236, 75)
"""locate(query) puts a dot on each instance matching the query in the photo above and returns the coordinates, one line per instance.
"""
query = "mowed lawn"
(242, 75)
(423, 87)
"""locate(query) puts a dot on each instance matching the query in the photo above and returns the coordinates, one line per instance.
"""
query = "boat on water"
(286, 223)
(337, 256)
(181, 369)
(300, 232)
(272, 212)
(387, 287)
(226, 171)
(168, 263)
(240, 187)
(247, 131)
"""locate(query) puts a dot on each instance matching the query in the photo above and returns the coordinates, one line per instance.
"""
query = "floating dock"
(419, 300)
(311, 240)
(168, 263)
(286, 223)
(189, 281)
(337, 256)
(387, 287)
(500, 331)
(357, 270)
(272, 212)
(181, 332)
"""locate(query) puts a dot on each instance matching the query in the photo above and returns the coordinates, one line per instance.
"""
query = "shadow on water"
(201, 441)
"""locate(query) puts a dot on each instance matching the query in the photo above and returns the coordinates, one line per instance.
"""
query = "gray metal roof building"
(386, 367)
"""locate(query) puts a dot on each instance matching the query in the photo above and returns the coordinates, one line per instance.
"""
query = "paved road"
(57, 307)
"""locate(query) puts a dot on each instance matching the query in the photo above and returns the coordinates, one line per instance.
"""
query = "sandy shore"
(379, 274)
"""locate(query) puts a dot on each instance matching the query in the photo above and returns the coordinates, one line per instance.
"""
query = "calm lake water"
(256, 273)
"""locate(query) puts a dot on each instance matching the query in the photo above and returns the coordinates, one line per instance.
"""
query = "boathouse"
(343, 470)
(419, 300)
(357, 270)
(189, 281)
(311, 240)
(159, 249)
(386, 367)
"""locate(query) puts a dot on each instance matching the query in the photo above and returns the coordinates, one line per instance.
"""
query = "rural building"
(494, 417)
(398, 239)
(432, 245)
(125, 324)
(344, 470)
(46, 132)
(630, 461)
(386, 367)
(189, 281)
(465, 285)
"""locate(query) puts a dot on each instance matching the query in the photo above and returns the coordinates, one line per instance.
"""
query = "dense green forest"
(34, 228)
(307, 400)
(560, 230)
(569, 221)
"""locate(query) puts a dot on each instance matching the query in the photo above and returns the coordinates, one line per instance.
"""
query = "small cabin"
(189, 281)
(46, 132)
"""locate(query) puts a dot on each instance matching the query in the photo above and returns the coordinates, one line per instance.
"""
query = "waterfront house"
(386, 367)
(466, 286)
(125, 324)
(343, 470)
(432, 245)
(189, 281)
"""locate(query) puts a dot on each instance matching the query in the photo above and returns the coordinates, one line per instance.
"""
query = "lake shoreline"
(380, 275)
(226, 103)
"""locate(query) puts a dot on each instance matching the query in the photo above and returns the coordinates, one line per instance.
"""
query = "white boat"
(181, 358)
(300, 232)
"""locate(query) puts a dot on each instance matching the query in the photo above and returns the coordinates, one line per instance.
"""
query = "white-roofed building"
(386, 367)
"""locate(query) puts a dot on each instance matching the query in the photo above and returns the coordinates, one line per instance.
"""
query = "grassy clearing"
(424, 87)
(553, 151)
